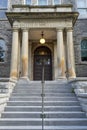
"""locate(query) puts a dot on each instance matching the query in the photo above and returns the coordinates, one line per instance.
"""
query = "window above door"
(3, 8)
(43, 2)
(82, 8)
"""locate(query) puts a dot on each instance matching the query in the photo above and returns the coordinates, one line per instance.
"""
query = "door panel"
(39, 60)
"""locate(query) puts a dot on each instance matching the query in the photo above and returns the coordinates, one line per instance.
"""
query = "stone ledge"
(78, 79)
(84, 95)
(4, 79)
(44, 6)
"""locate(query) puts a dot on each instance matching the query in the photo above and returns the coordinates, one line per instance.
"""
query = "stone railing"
(80, 88)
(5, 91)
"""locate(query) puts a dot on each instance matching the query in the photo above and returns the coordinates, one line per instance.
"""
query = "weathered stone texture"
(5, 34)
(81, 70)
(80, 32)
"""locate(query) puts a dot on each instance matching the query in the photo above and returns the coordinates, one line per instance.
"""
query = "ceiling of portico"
(49, 34)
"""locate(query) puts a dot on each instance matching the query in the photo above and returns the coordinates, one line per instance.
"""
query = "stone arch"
(45, 45)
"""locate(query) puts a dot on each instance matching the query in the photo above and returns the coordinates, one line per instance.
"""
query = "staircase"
(62, 109)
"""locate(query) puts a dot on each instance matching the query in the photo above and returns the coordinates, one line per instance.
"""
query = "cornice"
(13, 16)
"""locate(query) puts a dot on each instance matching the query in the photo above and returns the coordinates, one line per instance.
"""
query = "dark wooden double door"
(42, 58)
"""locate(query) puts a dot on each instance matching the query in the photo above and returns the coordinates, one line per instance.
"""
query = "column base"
(72, 77)
(61, 77)
(25, 78)
(13, 79)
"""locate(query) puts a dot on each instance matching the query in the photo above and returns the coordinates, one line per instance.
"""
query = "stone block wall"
(80, 32)
(6, 35)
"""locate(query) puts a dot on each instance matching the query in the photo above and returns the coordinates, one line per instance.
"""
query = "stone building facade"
(57, 22)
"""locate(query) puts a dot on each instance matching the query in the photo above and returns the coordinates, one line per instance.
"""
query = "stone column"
(55, 62)
(25, 53)
(14, 58)
(60, 54)
(29, 61)
(19, 55)
(70, 54)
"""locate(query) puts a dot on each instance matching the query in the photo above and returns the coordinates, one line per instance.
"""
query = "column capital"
(15, 29)
(69, 29)
(24, 29)
(59, 29)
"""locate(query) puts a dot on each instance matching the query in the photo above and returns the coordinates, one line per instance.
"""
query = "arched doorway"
(42, 55)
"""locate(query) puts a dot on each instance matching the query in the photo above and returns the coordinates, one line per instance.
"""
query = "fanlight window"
(84, 50)
(42, 51)
(2, 50)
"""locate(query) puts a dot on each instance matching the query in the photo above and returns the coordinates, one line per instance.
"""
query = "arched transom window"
(84, 50)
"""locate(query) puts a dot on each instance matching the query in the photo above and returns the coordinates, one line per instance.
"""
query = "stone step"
(46, 108)
(45, 86)
(47, 121)
(39, 103)
(34, 84)
(46, 94)
(24, 81)
(32, 98)
(62, 109)
(45, 128)
(48, 114)
(40, 90)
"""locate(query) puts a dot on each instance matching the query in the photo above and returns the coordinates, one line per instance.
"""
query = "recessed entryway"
(42, 57)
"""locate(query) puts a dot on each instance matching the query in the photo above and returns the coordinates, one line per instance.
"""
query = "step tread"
(44, 101)
(46, 106)
(46, 127)
(46, 119)
(46, 112)
(19, 96)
